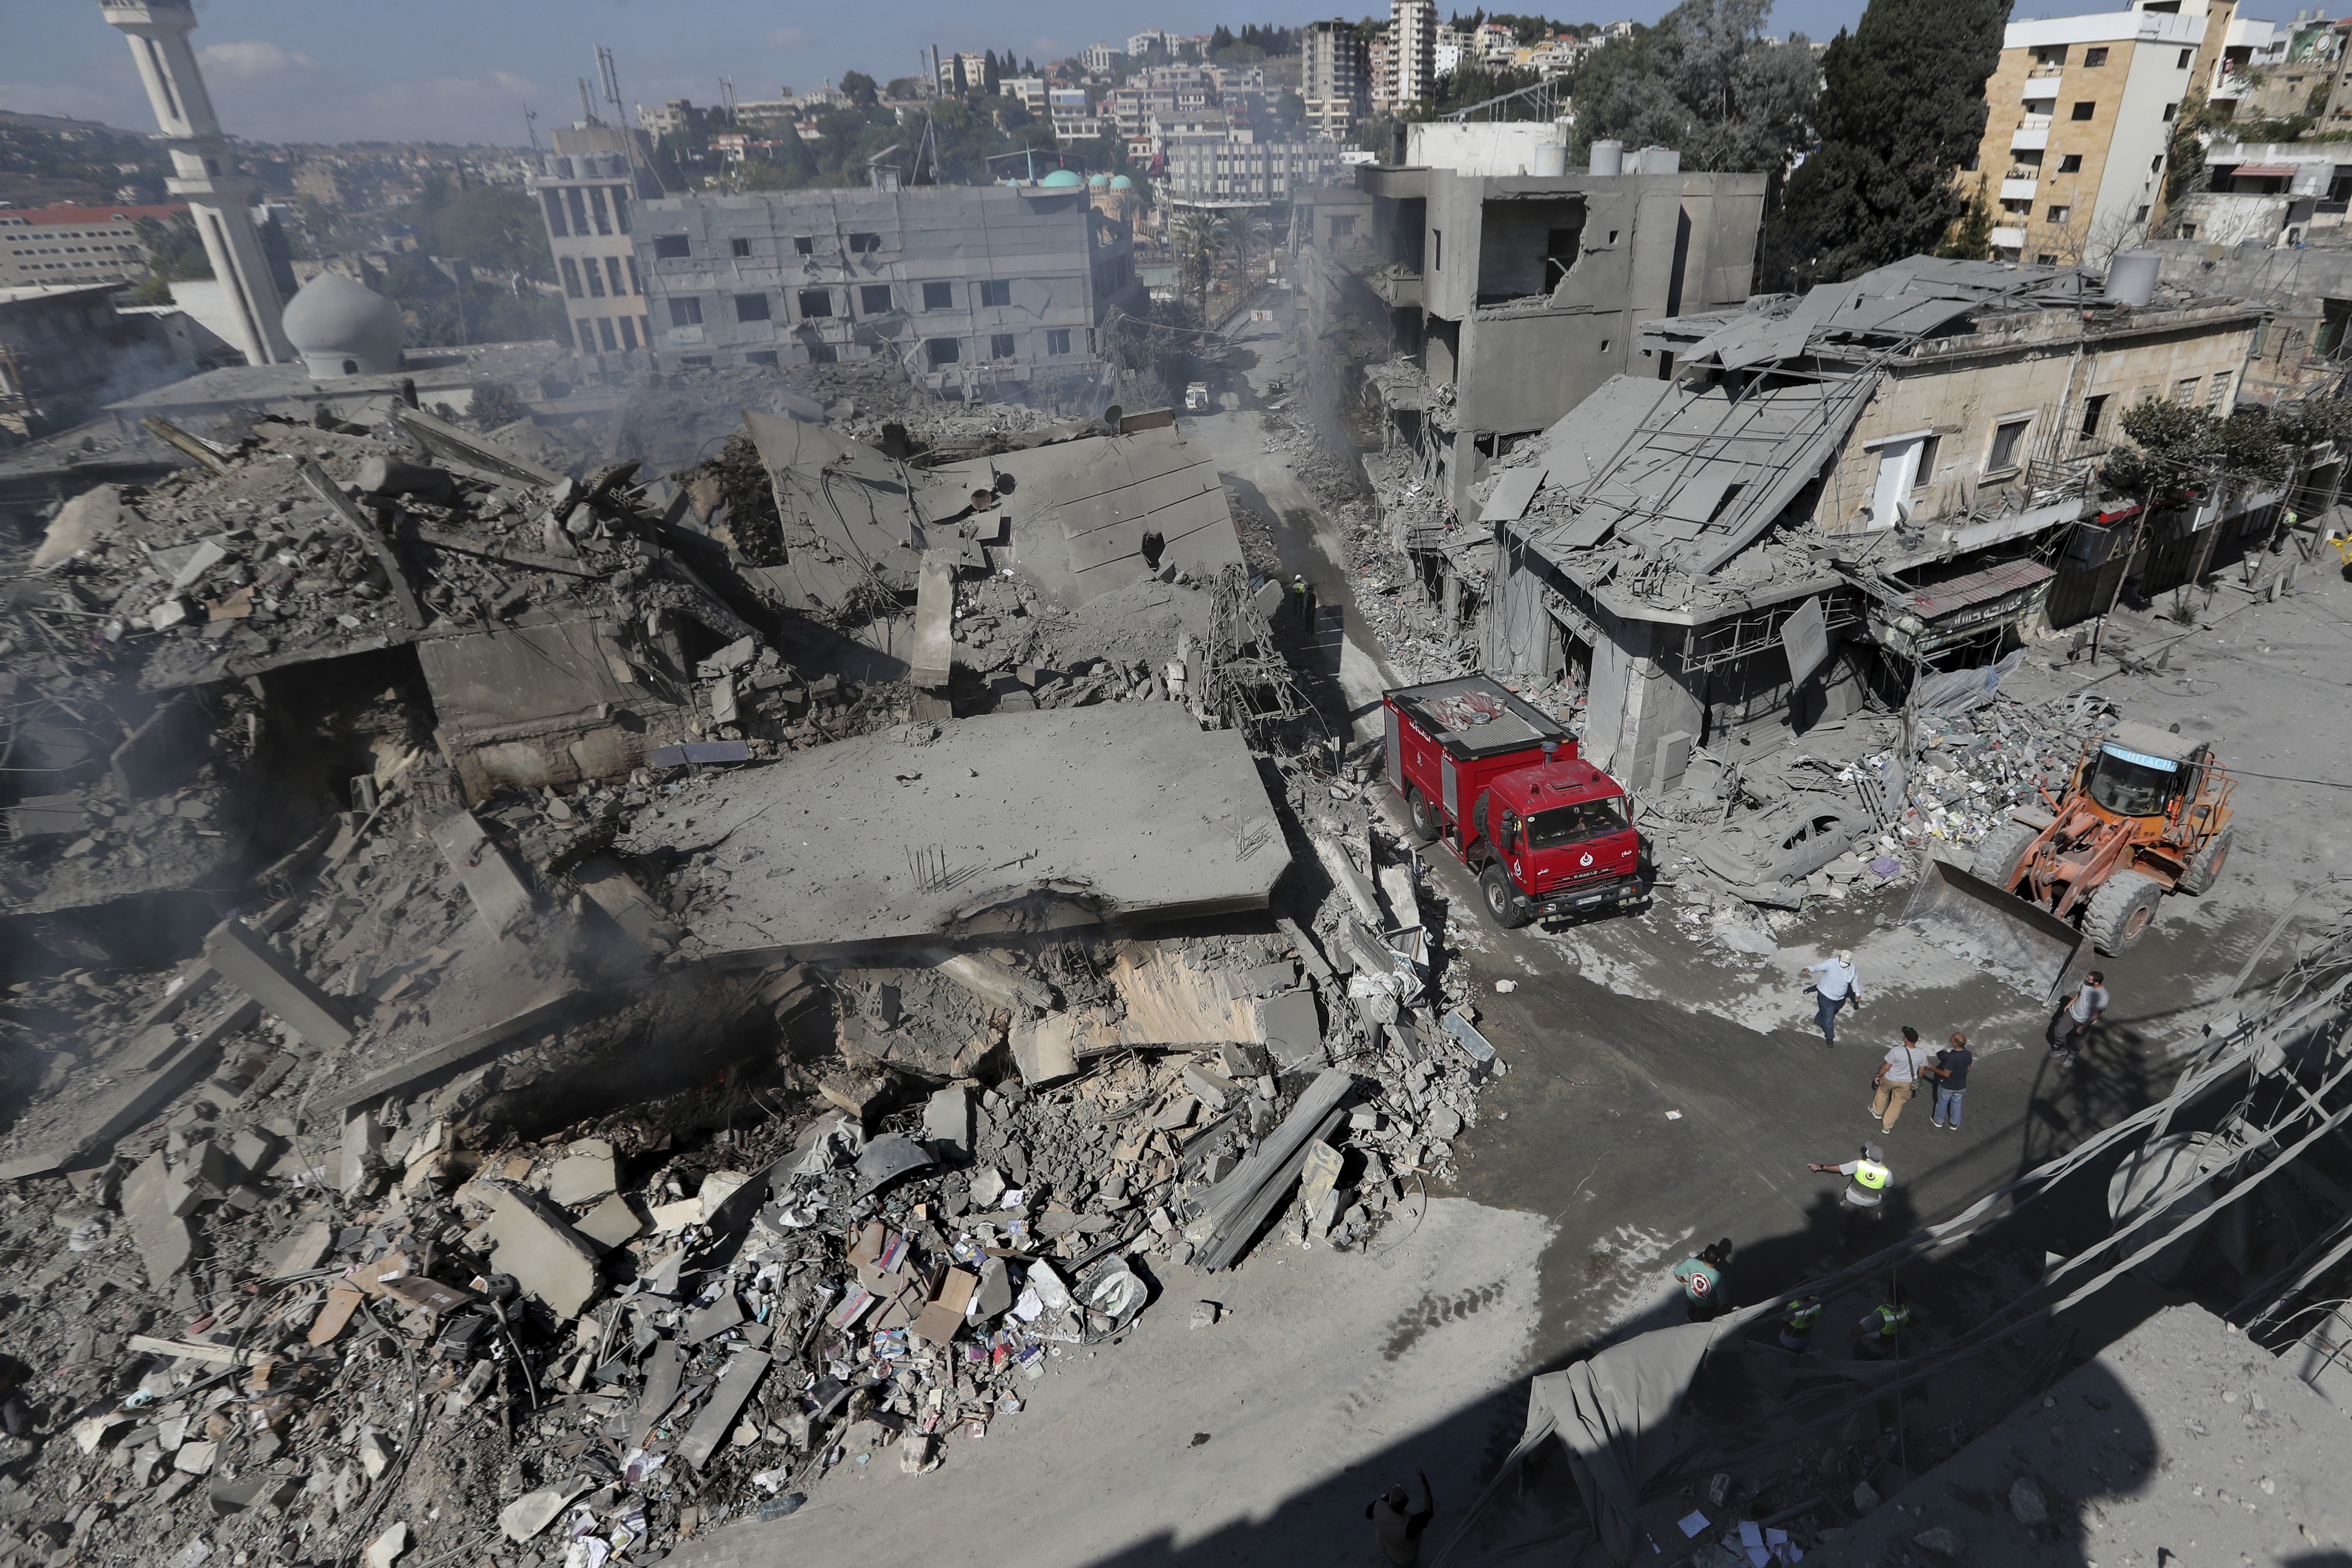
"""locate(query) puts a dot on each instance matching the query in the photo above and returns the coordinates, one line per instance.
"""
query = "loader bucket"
(1953, 908)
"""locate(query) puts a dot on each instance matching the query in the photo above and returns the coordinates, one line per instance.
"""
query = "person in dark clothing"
(1951, 1075)
(1398, 1531)
(1153, 544)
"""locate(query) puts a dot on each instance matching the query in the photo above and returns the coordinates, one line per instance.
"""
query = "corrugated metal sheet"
(1939, 599)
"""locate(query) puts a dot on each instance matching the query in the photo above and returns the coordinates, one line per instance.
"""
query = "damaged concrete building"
(444, 931)
(993, 289)
(1508, 299)
(1889, 474)
(590, 188)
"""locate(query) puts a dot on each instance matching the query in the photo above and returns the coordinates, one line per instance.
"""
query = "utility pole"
(531, 125)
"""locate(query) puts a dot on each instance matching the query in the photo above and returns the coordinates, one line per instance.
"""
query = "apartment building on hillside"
(47, 246)
(1334, 77)
(588, 190)
(2081, 122)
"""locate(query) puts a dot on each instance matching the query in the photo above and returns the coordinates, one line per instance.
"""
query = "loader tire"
(2206, 869)
(2121, 912)
(1495, 885)
(1425, 821)
(2000, 852)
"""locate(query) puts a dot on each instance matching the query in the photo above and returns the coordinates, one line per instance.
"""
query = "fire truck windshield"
(1569, 824)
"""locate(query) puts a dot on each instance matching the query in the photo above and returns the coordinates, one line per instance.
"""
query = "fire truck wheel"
(1425, 821)
(2206, 869)
(1496, 885)
(2121, 912)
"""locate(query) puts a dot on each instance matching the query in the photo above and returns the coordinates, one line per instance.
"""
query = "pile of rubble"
(418, 1190)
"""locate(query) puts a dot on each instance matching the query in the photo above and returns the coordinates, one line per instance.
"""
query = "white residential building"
(1098, 58)
(1412, 52)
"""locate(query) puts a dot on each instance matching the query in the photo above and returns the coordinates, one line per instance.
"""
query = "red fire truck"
(1547, 833)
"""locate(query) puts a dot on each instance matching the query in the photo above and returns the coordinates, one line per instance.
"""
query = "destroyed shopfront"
(1835, 490)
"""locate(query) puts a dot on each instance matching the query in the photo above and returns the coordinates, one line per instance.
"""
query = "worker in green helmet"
(1880, 1333)
(1796, 1321)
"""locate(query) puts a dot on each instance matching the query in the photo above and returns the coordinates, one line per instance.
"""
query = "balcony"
(2016, 189)
(2031, 135)
(2008, 240)
(2041, 82)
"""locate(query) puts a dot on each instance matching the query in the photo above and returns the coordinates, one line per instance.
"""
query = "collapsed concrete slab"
(246, 959)
(1080, 513)
(970, 827)
(537, 1245)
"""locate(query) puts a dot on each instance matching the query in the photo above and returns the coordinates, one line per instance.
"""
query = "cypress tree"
(1902, 109)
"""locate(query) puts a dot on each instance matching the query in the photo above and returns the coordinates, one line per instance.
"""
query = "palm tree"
(1199, 236)
(1243, 228)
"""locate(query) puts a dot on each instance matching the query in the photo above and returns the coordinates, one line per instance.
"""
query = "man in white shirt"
(2082, 1010)
(1837, 983)
(1896, 1079)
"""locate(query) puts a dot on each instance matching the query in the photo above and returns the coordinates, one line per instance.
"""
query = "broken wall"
(554, 703)
(1958, 393)
(1722, 216)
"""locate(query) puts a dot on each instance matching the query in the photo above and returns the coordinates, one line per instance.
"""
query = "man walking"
(1950, 1072)
(1868, 1180)
(1702, 1280)
(2074, 1020)
(1837, 983)
(1896, 1081)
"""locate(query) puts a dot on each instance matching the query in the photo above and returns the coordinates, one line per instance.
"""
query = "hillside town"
(1158, 800)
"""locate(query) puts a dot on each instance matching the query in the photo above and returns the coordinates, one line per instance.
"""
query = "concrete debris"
(458, 1059)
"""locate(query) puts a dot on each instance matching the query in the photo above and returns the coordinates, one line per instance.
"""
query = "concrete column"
(218, 197)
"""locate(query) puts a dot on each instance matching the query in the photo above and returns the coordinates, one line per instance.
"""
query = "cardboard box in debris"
(433, 1185)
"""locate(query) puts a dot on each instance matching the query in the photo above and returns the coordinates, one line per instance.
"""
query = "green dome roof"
(1062, 179)
(1121, 183)
(1098, 181)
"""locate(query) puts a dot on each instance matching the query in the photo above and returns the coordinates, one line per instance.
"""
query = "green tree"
(173, 249)
(1706, 81)
(498, 230)
(1970, 238)
(1200, 236)
(859, 88)
(1902, 110)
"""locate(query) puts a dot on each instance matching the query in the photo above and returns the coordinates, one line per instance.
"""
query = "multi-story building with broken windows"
(967, 285)
(588, 194)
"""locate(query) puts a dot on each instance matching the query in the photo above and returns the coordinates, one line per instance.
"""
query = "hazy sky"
(461, 70)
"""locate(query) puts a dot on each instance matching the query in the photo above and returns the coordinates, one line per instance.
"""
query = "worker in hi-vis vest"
(1868, 1180)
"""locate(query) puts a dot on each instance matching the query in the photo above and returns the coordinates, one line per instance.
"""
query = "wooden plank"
(190, 1350)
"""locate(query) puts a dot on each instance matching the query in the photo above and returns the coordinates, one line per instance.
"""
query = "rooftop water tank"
(1608, 158)
(1551, 161)
(2131, 277)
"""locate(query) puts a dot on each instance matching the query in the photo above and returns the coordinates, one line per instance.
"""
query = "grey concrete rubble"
(490, 1132)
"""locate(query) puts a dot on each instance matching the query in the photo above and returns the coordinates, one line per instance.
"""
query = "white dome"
(343, 328)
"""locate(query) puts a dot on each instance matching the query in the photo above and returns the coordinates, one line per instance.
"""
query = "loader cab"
(2138, 770)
